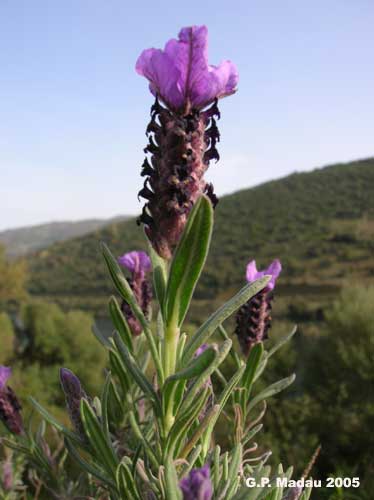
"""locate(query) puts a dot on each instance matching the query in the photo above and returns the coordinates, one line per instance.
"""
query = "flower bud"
(197, 485)
(73, 395)
(138, 263)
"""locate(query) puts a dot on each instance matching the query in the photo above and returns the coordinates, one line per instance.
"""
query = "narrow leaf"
(210, 326)
(97, 438)
(120, 323)
(189, 260)
(271, 391)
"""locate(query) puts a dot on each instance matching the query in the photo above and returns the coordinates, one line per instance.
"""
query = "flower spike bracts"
(253, 319)
(182, 133)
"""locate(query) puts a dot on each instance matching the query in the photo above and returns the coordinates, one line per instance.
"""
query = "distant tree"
(7, 340)
(340, 379)
(13, 275)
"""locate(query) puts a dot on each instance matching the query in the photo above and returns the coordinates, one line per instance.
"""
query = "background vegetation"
(321, 226)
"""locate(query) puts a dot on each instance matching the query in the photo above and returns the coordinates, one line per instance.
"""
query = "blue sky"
(73, 111)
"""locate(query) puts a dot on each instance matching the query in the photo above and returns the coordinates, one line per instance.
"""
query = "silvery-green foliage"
(155, 418)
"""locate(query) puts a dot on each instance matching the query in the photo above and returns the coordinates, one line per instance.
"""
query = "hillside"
(28, 239)
(320, 224)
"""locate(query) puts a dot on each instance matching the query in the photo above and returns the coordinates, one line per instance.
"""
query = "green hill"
(320, 224)
(23, 240)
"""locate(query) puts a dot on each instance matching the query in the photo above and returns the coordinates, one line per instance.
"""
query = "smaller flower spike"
(73, 395)
(253, 320)
(10, 407)
(197, 485)
(138, 263)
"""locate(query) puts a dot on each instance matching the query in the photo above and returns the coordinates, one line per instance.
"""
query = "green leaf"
(222, 400)
(210, 326)
(91, 469)
(103, 449)
(197, 365)
(231, 483)
(104, 407)
(120, 323)
(271, 391)
(99, 336)
(199, 431)
(126, 483)
(61, 428)
(220, 355)
(282, 341)
(172, 490)
(119, 369)
(159, 268)
(253, 362)
(189, 260)
(136, 373)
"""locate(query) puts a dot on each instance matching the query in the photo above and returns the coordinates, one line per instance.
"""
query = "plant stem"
(170, 348)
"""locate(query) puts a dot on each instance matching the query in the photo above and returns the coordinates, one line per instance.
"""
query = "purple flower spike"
(197, 485)
(10, 407)
(253, 320)
(181, 76)
(137, 262)
(182, 135)
(274, 270)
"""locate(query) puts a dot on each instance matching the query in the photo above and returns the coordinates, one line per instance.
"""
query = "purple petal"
(181, 75)
(252, 273)
(200, 350)
(136, 262)
(274, 270)
(5, 373)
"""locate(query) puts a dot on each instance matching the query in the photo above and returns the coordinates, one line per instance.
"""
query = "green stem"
(170, 349)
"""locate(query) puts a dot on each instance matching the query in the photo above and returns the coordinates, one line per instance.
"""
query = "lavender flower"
(197, 485)
(73, 395)
(138, 263)
(10, 407)
(253, 320)
(182, 135)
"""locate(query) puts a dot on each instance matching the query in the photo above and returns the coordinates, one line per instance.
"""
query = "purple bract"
(5, 373)
(137, 262)
(274, 270)
(181, 76)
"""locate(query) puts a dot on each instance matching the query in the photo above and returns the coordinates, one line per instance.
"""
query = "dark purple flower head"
(181, 76)
(10, 407)
(137, 262)
(73, 395)
(274, 270)
(197, 485)
(253, 319)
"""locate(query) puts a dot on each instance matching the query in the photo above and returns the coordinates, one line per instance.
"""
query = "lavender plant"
(150, 434)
